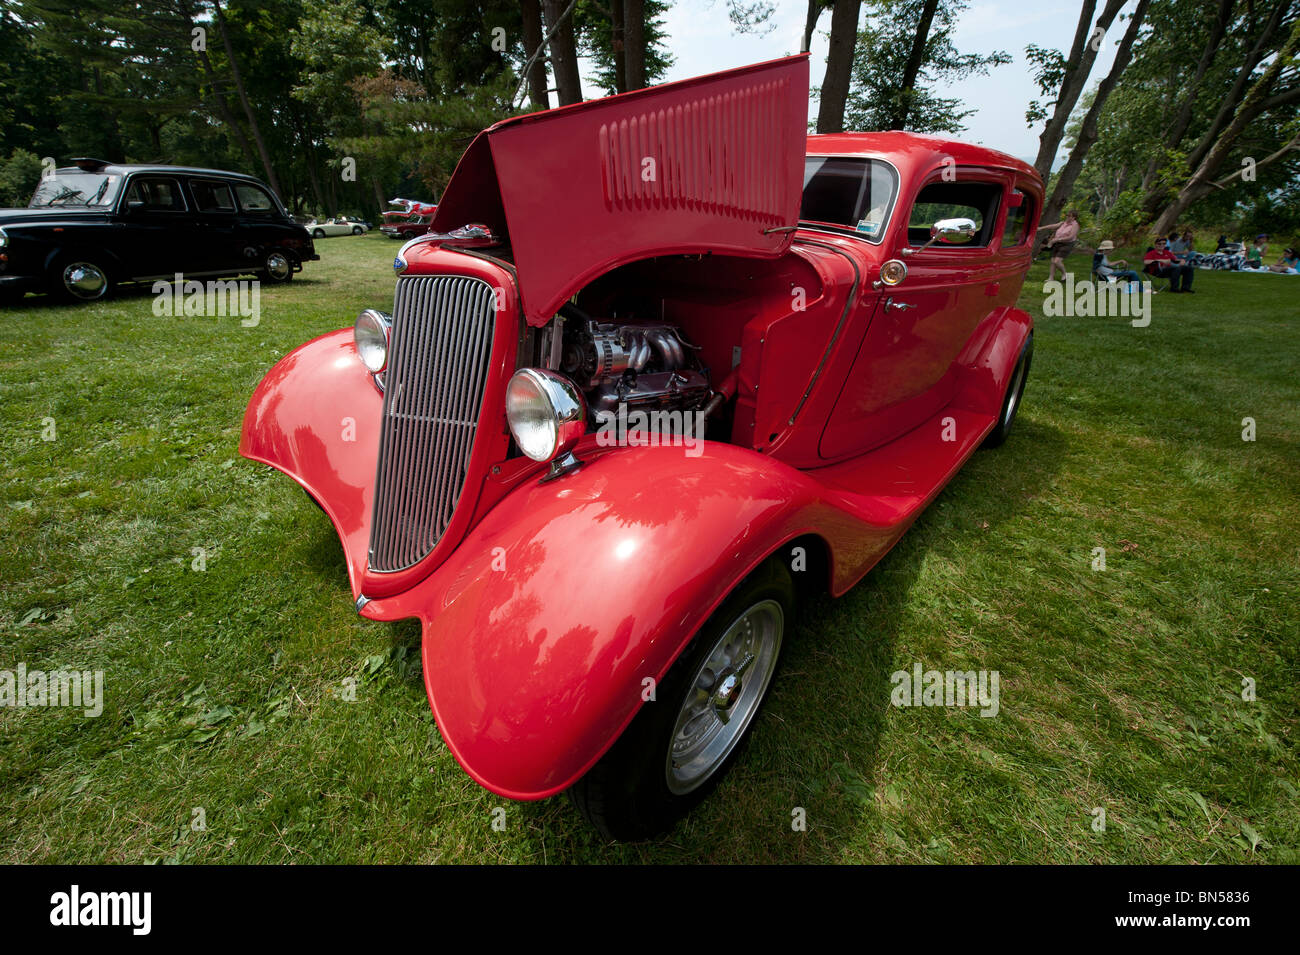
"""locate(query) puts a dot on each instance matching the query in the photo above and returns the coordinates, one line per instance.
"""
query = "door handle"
(890, 303)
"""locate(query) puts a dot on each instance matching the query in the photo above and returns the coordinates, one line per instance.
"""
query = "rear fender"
(541, 632)
(316, 417)
(989, 358)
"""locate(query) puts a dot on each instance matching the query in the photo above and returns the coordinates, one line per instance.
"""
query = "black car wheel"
(277, 268)
(1011, 400)
(81, 279)
(357, 230)
(318, 233)
(676, 750)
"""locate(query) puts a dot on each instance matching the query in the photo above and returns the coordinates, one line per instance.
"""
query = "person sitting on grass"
(1258, 249)
(1105, 268)
(1162, 263)
(1290, 262)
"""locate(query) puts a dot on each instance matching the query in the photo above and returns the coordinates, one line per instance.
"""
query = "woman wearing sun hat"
(1106, 269)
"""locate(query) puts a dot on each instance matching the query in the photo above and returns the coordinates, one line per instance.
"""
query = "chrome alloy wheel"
(278, 266)
(724, 695)
(85, 280)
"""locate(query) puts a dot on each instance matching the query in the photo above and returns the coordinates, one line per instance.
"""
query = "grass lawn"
(1121, 689)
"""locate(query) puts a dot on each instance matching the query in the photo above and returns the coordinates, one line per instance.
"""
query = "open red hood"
(713, 164)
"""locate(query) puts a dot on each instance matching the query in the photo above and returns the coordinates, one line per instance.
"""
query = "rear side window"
(254, 200)
(1018, 218)
(158, 194)
(955, 200)
(212, 195)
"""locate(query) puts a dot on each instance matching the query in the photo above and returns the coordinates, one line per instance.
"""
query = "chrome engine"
(644, 367)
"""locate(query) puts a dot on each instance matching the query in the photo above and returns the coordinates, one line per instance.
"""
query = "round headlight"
(4, 239)
(371, 338)
(546, 413)
(893, 272)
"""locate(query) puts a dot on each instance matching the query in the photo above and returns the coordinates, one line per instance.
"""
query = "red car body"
(849, 403)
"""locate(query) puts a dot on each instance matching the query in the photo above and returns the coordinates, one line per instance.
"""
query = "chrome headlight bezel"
(370, 337)
(546, 413)
(4, 239)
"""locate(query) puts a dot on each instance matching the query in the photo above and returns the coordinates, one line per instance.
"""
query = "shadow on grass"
(817, 743)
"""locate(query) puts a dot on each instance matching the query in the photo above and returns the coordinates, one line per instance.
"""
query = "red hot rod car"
(831, 320)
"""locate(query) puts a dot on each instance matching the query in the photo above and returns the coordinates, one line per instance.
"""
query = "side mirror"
(949, 232)
(135, 205)
(953, 231)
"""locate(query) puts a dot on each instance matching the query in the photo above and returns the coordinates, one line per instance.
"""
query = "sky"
(702, 40)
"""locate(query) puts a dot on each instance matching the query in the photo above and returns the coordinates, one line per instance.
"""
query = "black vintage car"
(94, 225)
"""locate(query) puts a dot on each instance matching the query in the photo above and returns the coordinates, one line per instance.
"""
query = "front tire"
(81, 278)
(318, 233)
(357, 230)
(677, 749)
(1011, 400)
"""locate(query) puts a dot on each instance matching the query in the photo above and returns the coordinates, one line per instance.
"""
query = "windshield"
(854, 194)
(76, 189)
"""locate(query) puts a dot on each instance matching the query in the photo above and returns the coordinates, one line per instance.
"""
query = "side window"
(955, 200)
(212, 195)
(254, 200)
(157, 194)
(1018, 218)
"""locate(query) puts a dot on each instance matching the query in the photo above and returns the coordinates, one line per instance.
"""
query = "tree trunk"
(915, 60)
(634, 42)
(1088, 129)
(243, 99)
(533, 38)
(814, 14)
(839, 66)
(217, 97)
(1255, 103)
(1083, 53)
(618, 44)
(564, 51)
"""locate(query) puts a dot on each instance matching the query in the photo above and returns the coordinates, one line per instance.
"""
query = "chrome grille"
(439, 351)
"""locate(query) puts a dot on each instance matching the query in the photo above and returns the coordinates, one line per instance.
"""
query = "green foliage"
(19, 174)
(879, 62)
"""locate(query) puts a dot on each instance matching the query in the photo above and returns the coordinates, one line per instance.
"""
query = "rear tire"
(277, 268)
(1011, 400)
(679, 746)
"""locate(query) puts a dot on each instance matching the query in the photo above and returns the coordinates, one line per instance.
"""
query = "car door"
(260, 223)
(904, 372)
(217, 246)
(154, 226)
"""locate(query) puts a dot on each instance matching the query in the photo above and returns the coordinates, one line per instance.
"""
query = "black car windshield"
(76, 189)
(851, 193)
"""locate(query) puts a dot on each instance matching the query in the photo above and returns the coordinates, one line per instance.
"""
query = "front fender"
(315, 416)
(540, 631)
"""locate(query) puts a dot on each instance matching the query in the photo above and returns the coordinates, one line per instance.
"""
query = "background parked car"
(340, 225)
(407, 228)
(94, 225)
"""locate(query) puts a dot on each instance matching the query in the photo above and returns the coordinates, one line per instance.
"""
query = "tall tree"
(1066, 78)
(839, 66)
(242, 92)
(1261, 98)
(564, 49)
(891, 79)
(915, 59)
(1087, 136)
(535, 66)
